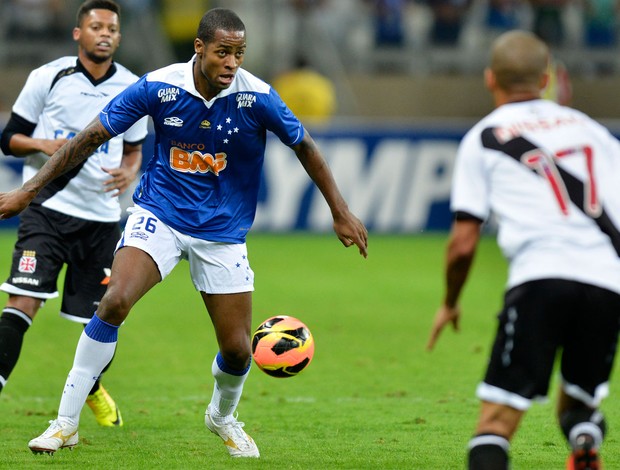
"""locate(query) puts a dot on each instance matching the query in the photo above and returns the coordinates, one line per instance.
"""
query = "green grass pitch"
(372, 398)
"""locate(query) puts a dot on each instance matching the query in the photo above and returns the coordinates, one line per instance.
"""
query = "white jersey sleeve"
(470, 187)
(31, 99)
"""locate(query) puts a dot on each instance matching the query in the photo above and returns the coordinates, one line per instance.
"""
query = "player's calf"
(584, 429)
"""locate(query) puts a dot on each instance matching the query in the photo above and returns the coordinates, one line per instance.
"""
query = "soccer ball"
(282, 346)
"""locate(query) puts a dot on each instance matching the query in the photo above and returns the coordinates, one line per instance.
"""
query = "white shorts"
(215, 267)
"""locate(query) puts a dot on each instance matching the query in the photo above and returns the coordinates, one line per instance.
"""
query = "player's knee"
(114, 308)
(236, 358)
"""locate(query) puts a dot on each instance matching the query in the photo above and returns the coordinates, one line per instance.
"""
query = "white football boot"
(57, 436)
(236, 440)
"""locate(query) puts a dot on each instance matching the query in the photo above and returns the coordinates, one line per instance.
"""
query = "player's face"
(99, 35)
(217, 62)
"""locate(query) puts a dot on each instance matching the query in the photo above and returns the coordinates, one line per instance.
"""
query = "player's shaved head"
(518, 60)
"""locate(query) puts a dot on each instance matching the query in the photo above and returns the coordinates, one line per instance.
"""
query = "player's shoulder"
(566, 114)
(473, 134)
(173, 74)
(55, 66)
(249, 91)
(248, 82)
(124, 73)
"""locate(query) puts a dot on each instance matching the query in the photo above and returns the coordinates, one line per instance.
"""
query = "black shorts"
(46, 240)
(541, 319)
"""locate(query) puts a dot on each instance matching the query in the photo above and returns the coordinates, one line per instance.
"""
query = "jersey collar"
(80, 68)
(190, 86)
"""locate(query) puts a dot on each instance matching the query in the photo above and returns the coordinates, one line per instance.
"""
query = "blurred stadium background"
(387, 87)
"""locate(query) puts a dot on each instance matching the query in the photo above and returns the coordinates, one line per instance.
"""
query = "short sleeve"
(470, 184)
(126, 109)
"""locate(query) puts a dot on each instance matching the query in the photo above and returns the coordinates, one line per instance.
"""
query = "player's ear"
(544, 80)
(76, 33)
(489, 79)
(199, 46)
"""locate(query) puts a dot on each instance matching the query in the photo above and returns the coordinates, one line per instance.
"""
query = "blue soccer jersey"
(204, 176)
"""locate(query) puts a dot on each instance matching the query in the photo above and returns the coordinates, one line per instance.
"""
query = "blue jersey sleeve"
(280, 120)
(126, 108)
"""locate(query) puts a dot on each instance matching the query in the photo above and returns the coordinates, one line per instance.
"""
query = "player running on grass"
(550, 174)
(196, 201)
(75, 220)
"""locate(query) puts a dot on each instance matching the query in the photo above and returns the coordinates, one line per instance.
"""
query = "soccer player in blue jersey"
(75, 221)
(196, 201)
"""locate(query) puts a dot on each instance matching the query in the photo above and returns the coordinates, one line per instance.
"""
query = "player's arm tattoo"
(69, 155)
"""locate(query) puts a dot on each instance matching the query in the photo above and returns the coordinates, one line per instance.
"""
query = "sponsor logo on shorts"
(25, 280)
(28, 262)
(140, 235)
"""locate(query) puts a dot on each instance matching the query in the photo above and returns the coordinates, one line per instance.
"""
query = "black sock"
(13, 326)
(488, 452)
(583, 420)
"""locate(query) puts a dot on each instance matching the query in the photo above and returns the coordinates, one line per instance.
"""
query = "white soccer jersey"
(551, 176)
(61, 98)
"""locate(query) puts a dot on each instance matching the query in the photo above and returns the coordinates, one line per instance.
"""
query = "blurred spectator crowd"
(389, 24)
(549, 19)
(332, 36)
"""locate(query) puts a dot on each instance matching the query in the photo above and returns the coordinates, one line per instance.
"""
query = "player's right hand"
(351, 231)
(13, 202)
(443, 316)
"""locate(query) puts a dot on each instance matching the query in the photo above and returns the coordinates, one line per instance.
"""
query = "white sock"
(227, 388)
(90, 358)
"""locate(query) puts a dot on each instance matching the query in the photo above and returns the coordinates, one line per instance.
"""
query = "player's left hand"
(444, 316)
(13, 202)
(351, 231)
(120, 179)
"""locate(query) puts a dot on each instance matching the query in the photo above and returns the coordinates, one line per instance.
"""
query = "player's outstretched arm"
(460, 252)
(67, 157)
(349, 229)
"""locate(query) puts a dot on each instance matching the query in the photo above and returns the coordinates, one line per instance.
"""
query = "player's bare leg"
(491, 444)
